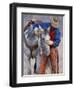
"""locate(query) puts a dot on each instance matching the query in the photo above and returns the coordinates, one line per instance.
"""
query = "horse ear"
(41, 29)
(48, 29)
(28, 24)
(33, 22)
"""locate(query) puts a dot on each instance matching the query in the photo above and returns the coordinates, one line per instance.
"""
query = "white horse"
(31, 40)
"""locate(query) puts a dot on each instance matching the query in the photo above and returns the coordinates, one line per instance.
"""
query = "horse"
(34, 46)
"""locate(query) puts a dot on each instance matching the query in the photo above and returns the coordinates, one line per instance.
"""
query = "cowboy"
(55, 38)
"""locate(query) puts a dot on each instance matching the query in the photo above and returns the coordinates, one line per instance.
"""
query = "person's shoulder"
(58, 30)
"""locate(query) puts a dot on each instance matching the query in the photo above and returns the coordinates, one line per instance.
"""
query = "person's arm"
(57, 38)
(56, 41)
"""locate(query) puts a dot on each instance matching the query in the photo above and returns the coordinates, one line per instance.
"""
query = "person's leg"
(57, 61)
(43, 63)
(54, 60)
(26, 65)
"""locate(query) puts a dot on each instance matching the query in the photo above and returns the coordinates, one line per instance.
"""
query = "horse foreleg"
(26, 65)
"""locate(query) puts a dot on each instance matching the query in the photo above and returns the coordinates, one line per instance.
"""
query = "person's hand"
(49, 42)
